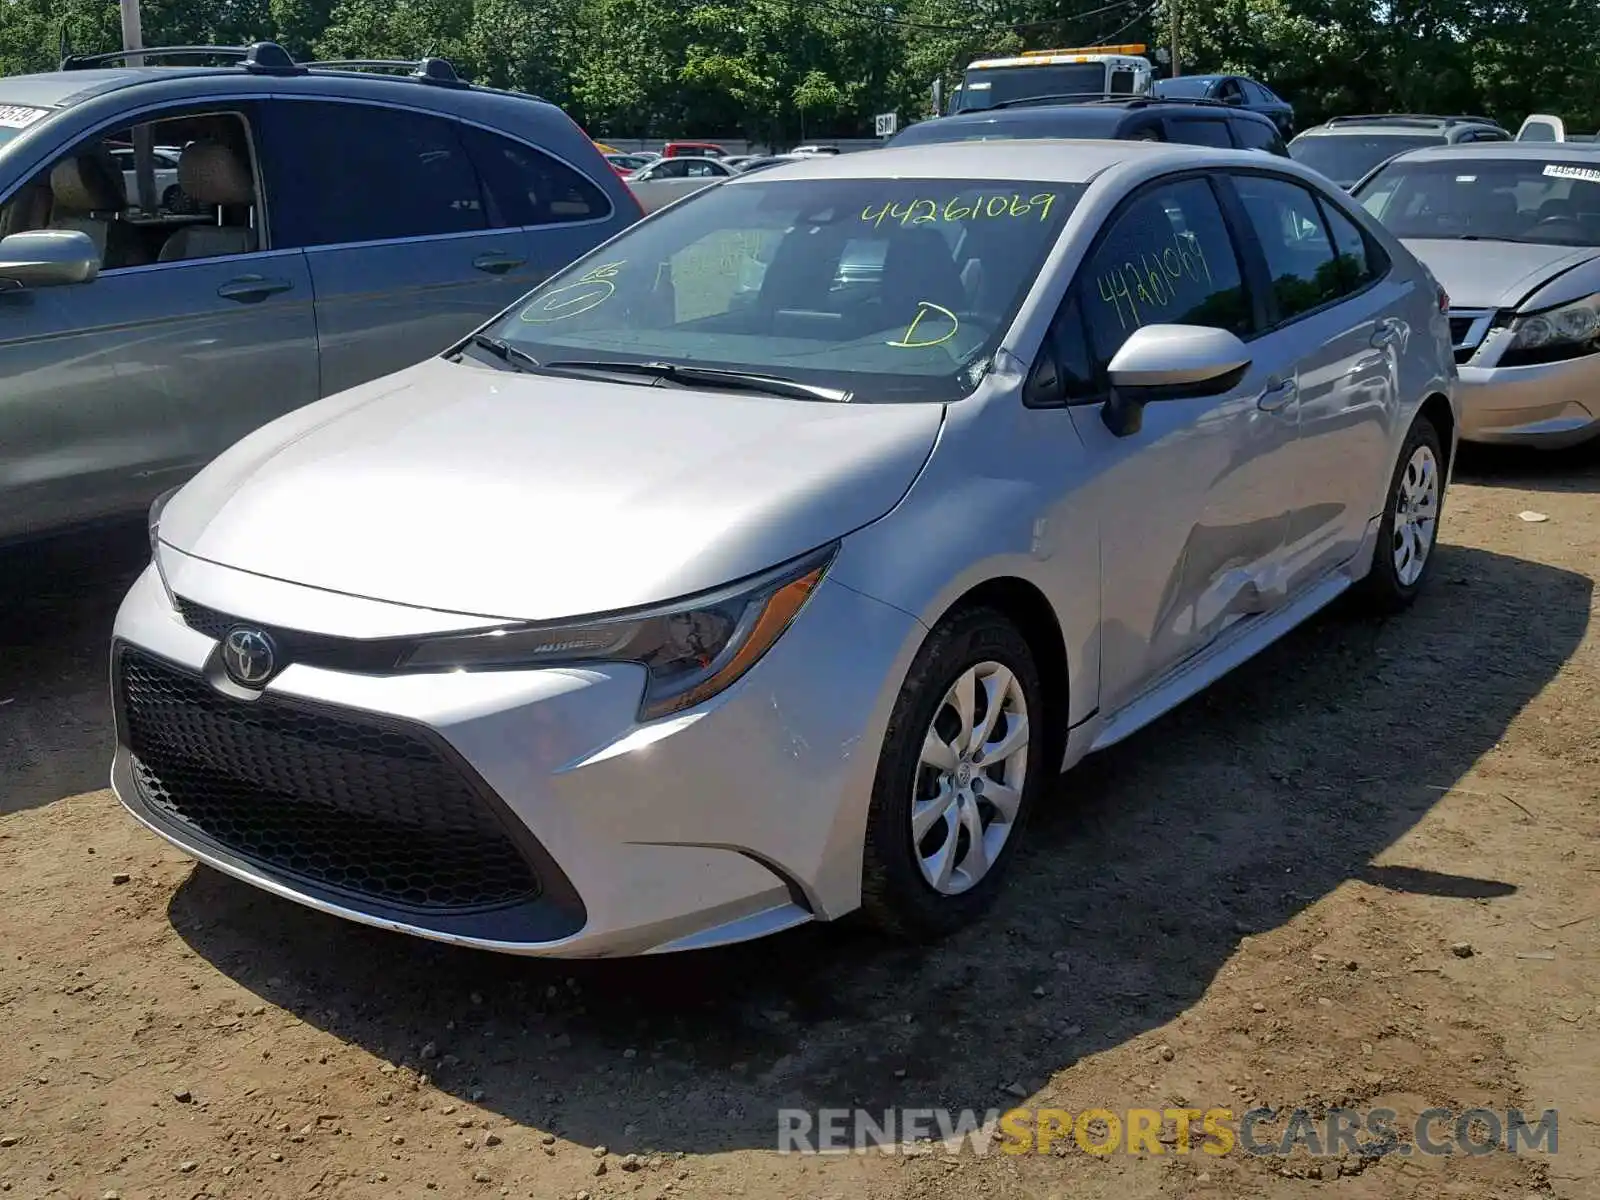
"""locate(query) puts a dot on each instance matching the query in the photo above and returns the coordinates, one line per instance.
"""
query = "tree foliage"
(787, 70)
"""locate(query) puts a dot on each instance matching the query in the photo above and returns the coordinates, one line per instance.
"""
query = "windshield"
(890, 289)
(14, 118)
(990, 85)
(1507, 200)
(1346, 157)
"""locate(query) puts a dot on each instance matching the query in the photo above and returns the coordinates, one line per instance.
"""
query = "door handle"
(1277, 395)
(497, 264)
(1389, 331)
(251, 289)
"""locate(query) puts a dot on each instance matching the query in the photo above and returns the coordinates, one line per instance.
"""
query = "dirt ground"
(1258, 899)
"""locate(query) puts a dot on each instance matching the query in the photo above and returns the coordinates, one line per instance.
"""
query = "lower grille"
(1468, 328)
(363, 808)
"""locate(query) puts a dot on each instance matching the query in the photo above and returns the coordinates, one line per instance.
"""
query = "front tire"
(962, 763)
(1410, 526)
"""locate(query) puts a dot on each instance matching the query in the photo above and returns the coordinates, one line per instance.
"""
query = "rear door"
(1326, 292)
(396, 227)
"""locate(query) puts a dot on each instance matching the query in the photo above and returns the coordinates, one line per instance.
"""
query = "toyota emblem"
(248, 656)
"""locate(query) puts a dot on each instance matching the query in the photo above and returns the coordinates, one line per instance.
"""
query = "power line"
(1128, 24)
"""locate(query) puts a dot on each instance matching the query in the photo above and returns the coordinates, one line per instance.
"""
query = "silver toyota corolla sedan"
(716, 588)
(1512, 231)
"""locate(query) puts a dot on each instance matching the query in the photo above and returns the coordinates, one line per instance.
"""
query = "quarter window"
(1300, 257)
(359, 173)
(1168, 259)
(526, 187)
(1259, 135)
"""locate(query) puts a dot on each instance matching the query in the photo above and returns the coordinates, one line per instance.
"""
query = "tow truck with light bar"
(1086, 73)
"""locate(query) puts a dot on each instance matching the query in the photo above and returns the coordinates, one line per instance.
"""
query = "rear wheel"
(1410, 526)
(960, 767)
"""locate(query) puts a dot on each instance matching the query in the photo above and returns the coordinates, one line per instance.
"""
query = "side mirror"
(47, 258)
(1169, 362)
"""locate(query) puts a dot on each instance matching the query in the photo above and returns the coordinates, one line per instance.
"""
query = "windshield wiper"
(685, 373)
(517, 360)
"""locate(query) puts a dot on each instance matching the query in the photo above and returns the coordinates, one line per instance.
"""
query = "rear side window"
(1259, 135)
(1166, 259)
(526, 187)
(1300, 257)
(1199, 132)
(358, 173)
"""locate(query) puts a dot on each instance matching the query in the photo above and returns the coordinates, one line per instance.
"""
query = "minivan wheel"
(960, 767)
(1410, 526)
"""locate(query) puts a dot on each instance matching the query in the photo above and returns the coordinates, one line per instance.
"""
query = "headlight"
(691, 650)
(154, 524)
(1557, 332)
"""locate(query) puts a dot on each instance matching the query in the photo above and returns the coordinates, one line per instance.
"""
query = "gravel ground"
(1365, 870)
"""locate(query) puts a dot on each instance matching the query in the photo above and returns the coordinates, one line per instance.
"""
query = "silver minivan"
(337, 223)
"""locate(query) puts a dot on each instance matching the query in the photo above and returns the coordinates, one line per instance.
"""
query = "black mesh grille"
(372, 810)
(203, 620)
(1459, 328)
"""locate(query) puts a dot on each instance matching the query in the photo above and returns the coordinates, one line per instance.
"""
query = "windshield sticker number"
(20, 116)
(1562, 171)
(910, 340)
(573, 299)
(924, 212)
(1151, 279)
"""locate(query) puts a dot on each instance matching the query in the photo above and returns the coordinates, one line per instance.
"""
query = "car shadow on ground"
(1228, 817)
(1575, 469)
(57, 600)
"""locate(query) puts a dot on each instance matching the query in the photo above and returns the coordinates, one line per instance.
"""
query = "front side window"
(360, 173)
(1299, 253)
(1478, 197)
(1346, 157)
(526, 187)
(892, 289)
(96, 189)
(1168, 259)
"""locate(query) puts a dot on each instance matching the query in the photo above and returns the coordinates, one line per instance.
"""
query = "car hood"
(1494, 274)
(482, 492)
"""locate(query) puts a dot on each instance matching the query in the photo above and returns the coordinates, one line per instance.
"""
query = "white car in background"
(669, 179)
(168, 193)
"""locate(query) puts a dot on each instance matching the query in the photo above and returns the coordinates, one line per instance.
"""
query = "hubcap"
(969, 781)
(1416, 514)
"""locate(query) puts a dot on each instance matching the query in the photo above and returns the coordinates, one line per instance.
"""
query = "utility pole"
(1172, 16)
(132, 33)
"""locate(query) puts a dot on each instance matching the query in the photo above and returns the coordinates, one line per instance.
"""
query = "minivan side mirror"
(47, 258)
(1169, 362)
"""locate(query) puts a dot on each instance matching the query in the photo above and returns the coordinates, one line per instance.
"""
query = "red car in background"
(693, 149)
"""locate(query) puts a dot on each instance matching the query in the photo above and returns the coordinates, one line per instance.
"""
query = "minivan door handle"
(251, 289)
(1277, 395)
(497, 264)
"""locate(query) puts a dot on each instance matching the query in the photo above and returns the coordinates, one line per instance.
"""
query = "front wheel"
(960, 767)
(1410, 523)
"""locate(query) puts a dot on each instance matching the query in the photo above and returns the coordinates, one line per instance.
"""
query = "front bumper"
(1551, 405)
(519, 811)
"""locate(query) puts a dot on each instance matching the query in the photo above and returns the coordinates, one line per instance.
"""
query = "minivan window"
(894, 289)
(1199, 132)
(361, 173)
(1259, 135)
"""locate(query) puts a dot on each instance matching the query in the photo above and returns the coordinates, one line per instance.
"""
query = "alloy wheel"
(970, 778)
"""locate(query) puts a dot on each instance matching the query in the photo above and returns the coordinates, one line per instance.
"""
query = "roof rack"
(1139, 98)
(1047, 98)
(1412, 118)
(261, 58)
(435, 71)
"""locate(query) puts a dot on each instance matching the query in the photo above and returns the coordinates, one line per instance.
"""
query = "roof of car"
(1106, 114)
(1397, 123)
(1585, 152)
(1058, 160)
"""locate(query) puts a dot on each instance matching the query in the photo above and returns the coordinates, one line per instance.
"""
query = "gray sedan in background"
(714, 588)
(1512, 231)
(670, 179)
